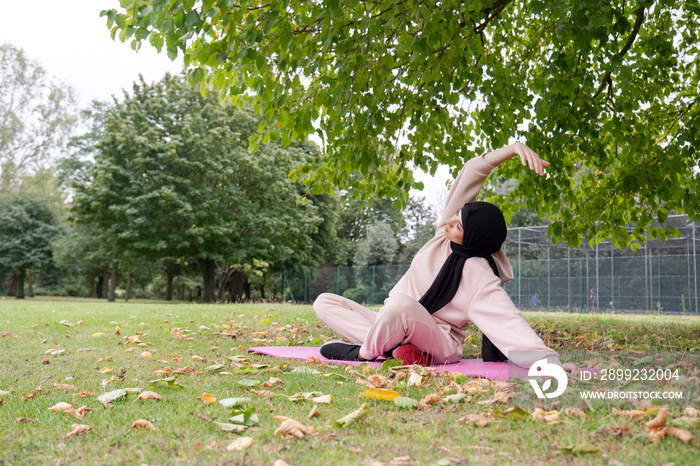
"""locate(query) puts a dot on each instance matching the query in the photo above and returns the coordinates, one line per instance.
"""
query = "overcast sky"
(71, 42)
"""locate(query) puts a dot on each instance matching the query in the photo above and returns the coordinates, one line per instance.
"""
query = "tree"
(173, 178)
(607, 85)
(28, 227)
(36, 116)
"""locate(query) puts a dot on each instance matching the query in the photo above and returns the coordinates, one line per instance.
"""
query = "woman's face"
(454, 230)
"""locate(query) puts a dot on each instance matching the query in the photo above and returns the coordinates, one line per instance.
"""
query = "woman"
(453, 280)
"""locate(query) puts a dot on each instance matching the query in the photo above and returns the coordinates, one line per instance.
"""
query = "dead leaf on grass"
(262, 393)
(429, 400)
(292, 427)
(62, 407)
(498, 397)
(25, 420)
(143, 424)
(272, 382)
(323, 399)
(578, 412)
(547, 416)
(380, 394)
(480, 419)
(659, 421)
(631, 413)
(63, 386)
(240, 443)
(207, 399)
(314, 412)
(78, 429)
(148, 395)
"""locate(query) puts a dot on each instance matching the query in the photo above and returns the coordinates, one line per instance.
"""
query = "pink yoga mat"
(468, 367)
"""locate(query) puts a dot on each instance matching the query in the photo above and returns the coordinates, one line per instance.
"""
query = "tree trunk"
(19, 291)
(113, 283)
(247, 289)
(95, 287)
(181, 292)
(223, 281)
(172, 270)
(12, 290)
(30, 284)
(208, 268)
(128, 286)
(105, 282)
(237, 286)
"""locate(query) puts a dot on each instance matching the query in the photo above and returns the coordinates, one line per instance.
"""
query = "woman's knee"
(401, 305)
(323, 303)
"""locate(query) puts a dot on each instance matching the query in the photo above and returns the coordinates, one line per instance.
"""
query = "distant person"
(455, 279)
(535, 301)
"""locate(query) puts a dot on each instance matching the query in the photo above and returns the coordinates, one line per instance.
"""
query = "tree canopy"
(36, 116)
(172, 178)
(604, 88)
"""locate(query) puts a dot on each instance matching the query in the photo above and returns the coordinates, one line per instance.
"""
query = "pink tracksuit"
(480, 300)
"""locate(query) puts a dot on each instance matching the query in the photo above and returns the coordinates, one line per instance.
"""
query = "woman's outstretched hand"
(528, 157)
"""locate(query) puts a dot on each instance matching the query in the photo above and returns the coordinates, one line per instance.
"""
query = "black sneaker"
(340, 350)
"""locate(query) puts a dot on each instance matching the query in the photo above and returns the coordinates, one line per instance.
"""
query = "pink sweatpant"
(401, 320)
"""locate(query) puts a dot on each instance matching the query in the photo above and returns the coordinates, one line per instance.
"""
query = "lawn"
(73, 352)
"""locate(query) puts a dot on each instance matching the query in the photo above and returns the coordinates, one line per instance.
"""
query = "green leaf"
(248, 382)
(167, 382)
(580, 448)
(114, 395)
(234, 402)
(246, 417)
(353, 417)
(227, 427)
(404, 402)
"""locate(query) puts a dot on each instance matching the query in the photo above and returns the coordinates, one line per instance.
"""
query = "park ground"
(219, 402)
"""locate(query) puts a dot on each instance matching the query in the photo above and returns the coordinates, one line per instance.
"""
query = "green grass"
(418, 436)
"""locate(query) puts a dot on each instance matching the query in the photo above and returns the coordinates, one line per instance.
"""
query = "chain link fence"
(660, 277)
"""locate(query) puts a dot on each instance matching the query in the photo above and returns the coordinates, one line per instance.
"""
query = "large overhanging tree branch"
(605, 90)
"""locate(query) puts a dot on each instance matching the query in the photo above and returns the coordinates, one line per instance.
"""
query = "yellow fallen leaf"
(63, 386)
(146, 354)
(207, 399)
(632, 413)
(659, 421)
(240, 443)
(62, 407)
(99, 334)
(80, 413)
(175, 358)
(290, 426)
(480, 419)
(314, 412)
(143, 424)
(128, 350)
(197, 358)
(148, 395)
(104, 370)
(547, 416)
(78, 429)
(323, 399)
(380, 394)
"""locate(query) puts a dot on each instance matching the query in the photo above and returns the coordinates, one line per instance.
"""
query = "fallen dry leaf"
(146, 354)
(63, 386)
(104, 370)
(632, 413)
(143, 424)
(498, 397)
(314, 412)
(25, 420)
(148, 395)
(429, 400)
(207, 399)
(272, 382)
(323, 399)
(80, 412)
(477, 386)
(292, 427)
(240, 443)
(415, 379)
(28, 396)
(659, 421)
(380, 394)
(280, 463)
(480, 419)
(62, 407)
(262, 393)
(681, 434)
(578, 412)
(78, 429)
(547, 416)
(379, 381)
(656, 434)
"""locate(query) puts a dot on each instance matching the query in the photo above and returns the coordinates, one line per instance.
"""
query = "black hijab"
(484, 233)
